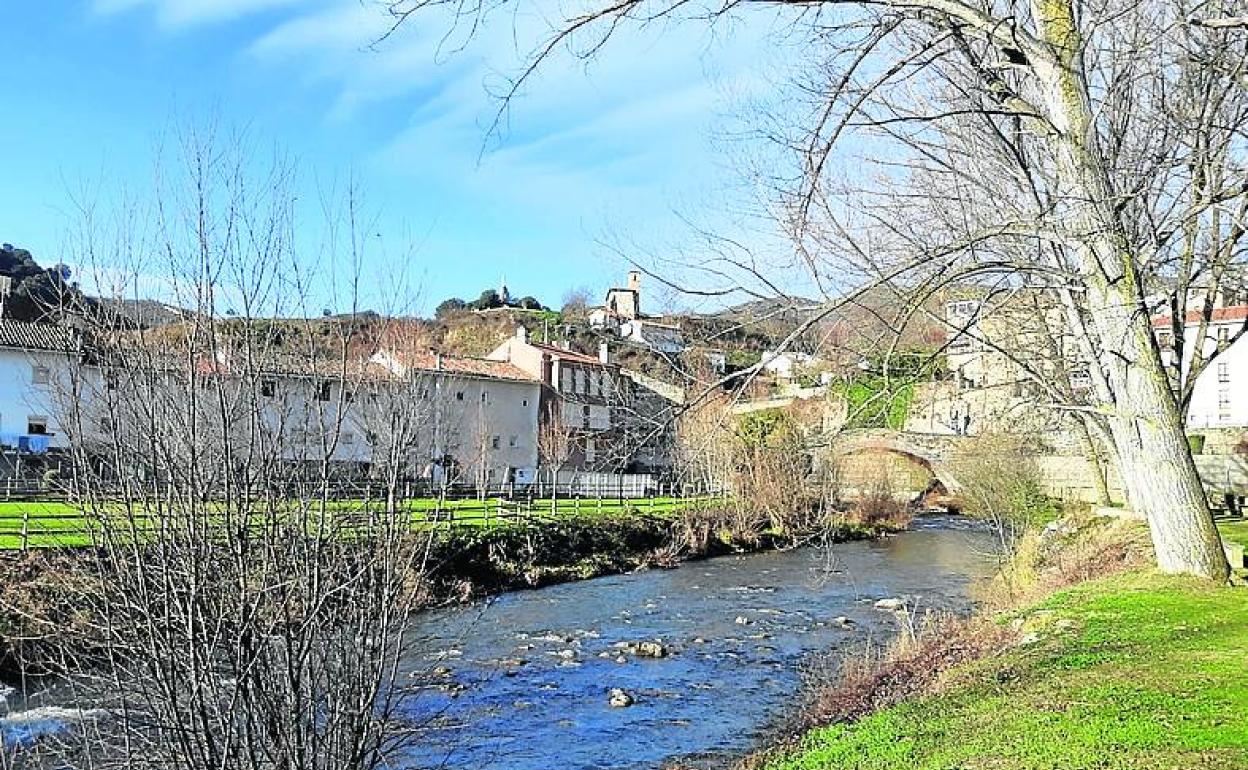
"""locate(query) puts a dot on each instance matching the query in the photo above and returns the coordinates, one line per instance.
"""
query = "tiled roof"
(568, 355)
(1219, 315)
(24, 335)
(474, 367)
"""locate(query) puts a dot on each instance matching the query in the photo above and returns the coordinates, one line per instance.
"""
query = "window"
(565, 379)
(485, 397)
(525, 402)
(580, 381)
(110, 380)
(459, 395)
(1224, 404)
(494, 442)
(1165, 340)
(268, 388)
(1224, 335)
(348, 396)
(322, 391)
(348, 438)
(37, 426)
(1224, 372)
(590, 450)
(40, 375)
(511, 441)
(585, 414)
(960, 344)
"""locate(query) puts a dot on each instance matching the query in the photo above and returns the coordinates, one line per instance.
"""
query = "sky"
(621, 149)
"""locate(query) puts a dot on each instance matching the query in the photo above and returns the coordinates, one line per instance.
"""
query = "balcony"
(26, 443)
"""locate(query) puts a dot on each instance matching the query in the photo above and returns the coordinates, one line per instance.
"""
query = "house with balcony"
(591, 417)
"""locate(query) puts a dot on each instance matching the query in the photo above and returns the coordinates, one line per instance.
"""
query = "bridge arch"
(896, 445)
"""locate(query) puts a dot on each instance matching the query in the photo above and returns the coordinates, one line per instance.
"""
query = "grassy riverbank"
(47, 595)
(57, 524)
(1134, 670)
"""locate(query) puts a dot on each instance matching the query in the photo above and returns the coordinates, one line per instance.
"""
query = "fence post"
(25, 529)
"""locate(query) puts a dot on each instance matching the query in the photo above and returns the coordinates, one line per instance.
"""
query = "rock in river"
(619, 699)
(890, 604)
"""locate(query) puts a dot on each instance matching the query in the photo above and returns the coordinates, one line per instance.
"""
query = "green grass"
(1153, 674)
(60, 524)
(1235, 531)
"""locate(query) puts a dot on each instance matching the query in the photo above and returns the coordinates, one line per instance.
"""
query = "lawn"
(1235, 531)
(1134, 672)
(59, 524)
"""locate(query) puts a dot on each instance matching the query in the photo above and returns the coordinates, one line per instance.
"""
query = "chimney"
(522, 334)
(604, 353)
(634, 280)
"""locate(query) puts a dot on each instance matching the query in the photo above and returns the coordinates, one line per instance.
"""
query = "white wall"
(1220, 397)
(22, 399)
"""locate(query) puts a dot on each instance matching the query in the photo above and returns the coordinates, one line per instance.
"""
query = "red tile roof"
(567, 355)
(1219, 315)
(474, 367)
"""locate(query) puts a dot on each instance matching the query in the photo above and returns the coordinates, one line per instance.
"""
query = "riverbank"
(45, 595)
(1131, 669)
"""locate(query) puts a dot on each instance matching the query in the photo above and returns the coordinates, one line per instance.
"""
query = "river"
(521, 681)
(738, 630)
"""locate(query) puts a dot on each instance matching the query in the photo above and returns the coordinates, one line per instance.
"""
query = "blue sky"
(624, 147)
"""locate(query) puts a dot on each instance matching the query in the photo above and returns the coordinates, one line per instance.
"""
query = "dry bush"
(1001, 485)
(1068, 551)
(879, 508)
(911, 664)
(44, 626)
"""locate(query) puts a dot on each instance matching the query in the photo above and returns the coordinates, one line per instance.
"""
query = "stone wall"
(1071, 477)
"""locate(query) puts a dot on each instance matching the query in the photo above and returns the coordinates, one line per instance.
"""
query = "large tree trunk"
(1158, 473)
(1160, 478)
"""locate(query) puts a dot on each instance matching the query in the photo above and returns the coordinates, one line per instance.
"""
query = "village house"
(578, 393)
(595, 416)
(34, 379)
(998, 349)
(478, 418)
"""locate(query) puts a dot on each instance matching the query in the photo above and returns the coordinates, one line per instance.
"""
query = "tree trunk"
(1154, 461)
(1159, 474)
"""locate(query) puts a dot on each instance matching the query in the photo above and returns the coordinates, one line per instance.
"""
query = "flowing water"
(522, 681)
(526, 676)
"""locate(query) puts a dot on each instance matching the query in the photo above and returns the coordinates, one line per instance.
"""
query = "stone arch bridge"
(929, 452)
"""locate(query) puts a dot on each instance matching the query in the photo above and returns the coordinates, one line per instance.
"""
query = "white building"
(35, 364)
(480, 417)
(787, 365)
(1220, 395)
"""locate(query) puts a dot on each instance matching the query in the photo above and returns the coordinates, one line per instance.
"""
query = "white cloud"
(176, 14)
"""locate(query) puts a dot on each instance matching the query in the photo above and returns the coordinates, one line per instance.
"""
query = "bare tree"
(1093, 149)
(246, 618)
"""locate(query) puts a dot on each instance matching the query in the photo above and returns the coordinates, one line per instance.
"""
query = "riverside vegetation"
(46, 594)
(1083, 655)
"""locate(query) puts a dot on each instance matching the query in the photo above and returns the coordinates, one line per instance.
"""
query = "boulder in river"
(644, 649)
(618, 698)
(891, 605)
(840, 621)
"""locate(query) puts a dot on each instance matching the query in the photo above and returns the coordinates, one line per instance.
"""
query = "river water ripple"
(522, 680)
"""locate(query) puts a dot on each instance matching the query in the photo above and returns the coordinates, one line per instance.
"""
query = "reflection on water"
(522, 682)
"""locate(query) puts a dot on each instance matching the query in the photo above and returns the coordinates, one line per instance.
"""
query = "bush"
(879, 508)
(1001, 485)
